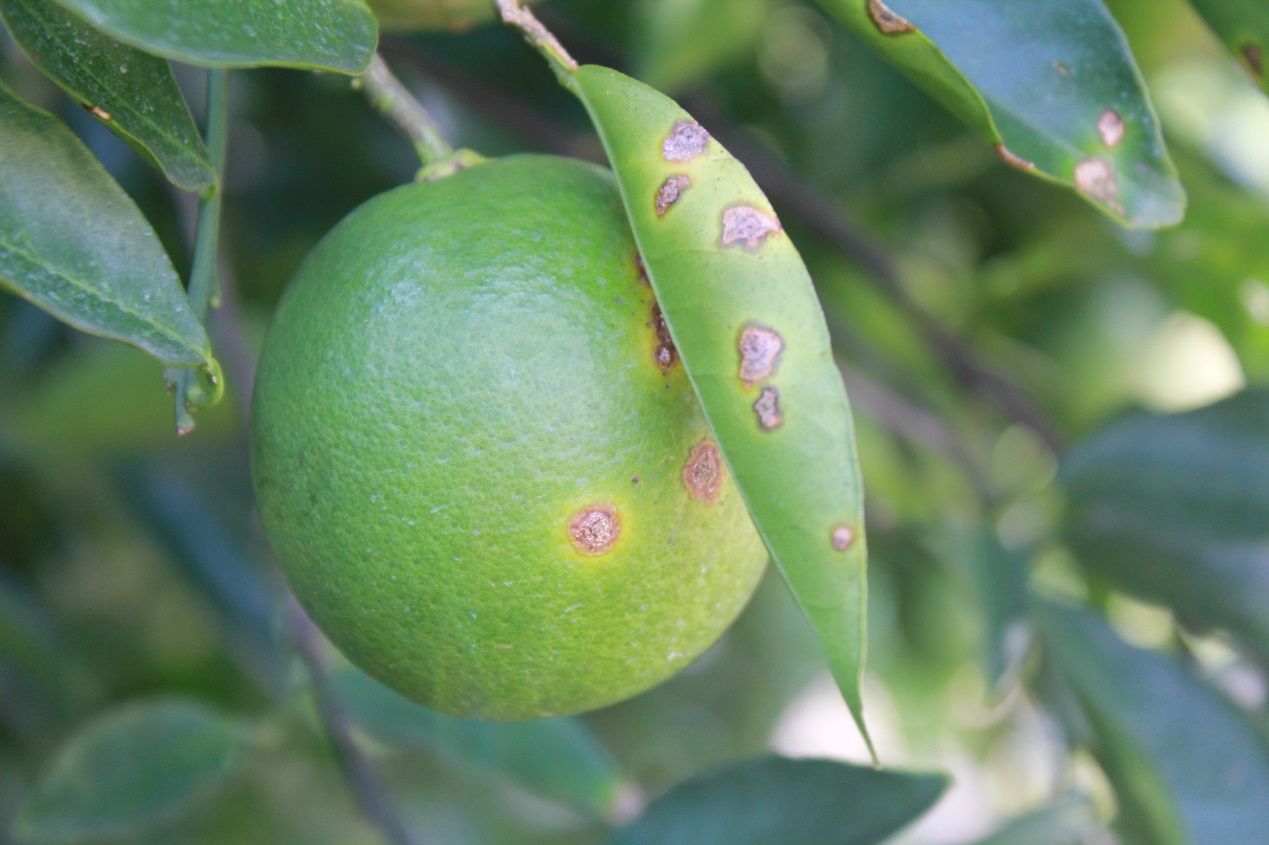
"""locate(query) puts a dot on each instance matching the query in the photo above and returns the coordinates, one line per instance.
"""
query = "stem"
(541, 38)
(389, 96)
(356, 767)
(203, 388)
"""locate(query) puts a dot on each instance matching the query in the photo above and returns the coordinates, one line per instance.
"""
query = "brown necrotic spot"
(1255, 58)
(664, 354)
(641, 272)
(1012, 159)
(768, 408)
(760, 350)
(886, 20)
(749, 226)
(842, 537)
(595, 529)
(704, 471)
(1110, 126)
(686, 141)
(1095, 178)
(670, 191)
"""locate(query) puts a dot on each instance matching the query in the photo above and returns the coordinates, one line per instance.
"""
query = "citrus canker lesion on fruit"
(704, 472)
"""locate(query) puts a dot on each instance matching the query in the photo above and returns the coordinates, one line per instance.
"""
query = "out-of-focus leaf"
(129, 770)
(1187, 765)
(26, 634)
(338, 35)
(1051, 82)
(73, 243)
(1068, 822)
(746, 323)
(999, 578)
(453, 15)
(1175, 508)
(792, 802)
(132, 93)
(684, 40)
(1244, 27)
(557, 758)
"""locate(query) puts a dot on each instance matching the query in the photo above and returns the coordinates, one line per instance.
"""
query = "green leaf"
(1187, 765)
(134, 94)
(744, 317)
(1051, 82)
(1244, 27)
(1068, 822)
(792, 802)
(558, 758)
(130, 770)
(1174, 508)
(338, 35)
(73, 243)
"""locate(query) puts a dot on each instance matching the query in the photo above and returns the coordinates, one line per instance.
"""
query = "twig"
(358, 771)
(542, 39)
(389, 96)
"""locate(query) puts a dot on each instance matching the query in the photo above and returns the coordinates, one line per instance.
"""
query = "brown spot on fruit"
(641, 271)
(1110, 126)
(842, 537)
(665, 354)
(744, 224)
(686, 141)
(1095, 178)
(1012, 159)
(886, 20)
(760, 350)
(670, 191)
(768, 408)
(595, 529)
(704, 471)
(1255, 58)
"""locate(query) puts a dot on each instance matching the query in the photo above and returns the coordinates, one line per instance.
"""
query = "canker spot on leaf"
(1095, 178)
(749, 226)
(886, 20)
(687, 140)
(665, 354)
(595, 529)
(760, 350)
(842, 537)
(704, 471)
(768, 408)
(1012, 159)
(641, 272)
(670, 191)
(1110, 126)
(1255, 59)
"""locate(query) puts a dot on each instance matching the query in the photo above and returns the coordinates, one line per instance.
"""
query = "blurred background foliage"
(1047, 403)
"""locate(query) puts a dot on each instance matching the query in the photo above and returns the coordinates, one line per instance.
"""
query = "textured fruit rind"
(725, 273)
(459, 370)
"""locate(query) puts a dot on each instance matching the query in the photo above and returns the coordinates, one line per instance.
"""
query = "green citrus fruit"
(481, 467)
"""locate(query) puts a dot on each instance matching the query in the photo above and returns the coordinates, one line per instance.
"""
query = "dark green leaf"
(792, 802)
(1244, 27)
(557, 758)
(130, 770)
(1068, 822)
(1187, 765)
(73, 243)
(1051, 82)
(336, 35)
(132, 93)
(1176, 509)
(745, 320)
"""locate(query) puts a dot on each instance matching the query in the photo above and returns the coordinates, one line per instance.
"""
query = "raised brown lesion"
(595, 529)
(887, 22)
(704, 472)
(670, 191)
(760, 349)
(843, 537)
(687, 140)
(767, 407)
(748, 226)
(664, 353)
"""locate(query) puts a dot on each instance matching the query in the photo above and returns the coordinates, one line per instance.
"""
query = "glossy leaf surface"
(73, 243)
(746, 322)
(133, 93)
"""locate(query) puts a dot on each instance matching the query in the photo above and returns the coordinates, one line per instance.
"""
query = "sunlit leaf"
(1051, 82)
(1174, 507)
(73, 243)
(338, 35)
(557, 758)
(1187, 765)
(134, 94)
(745, 320)
(792, 802)
(130, 770)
